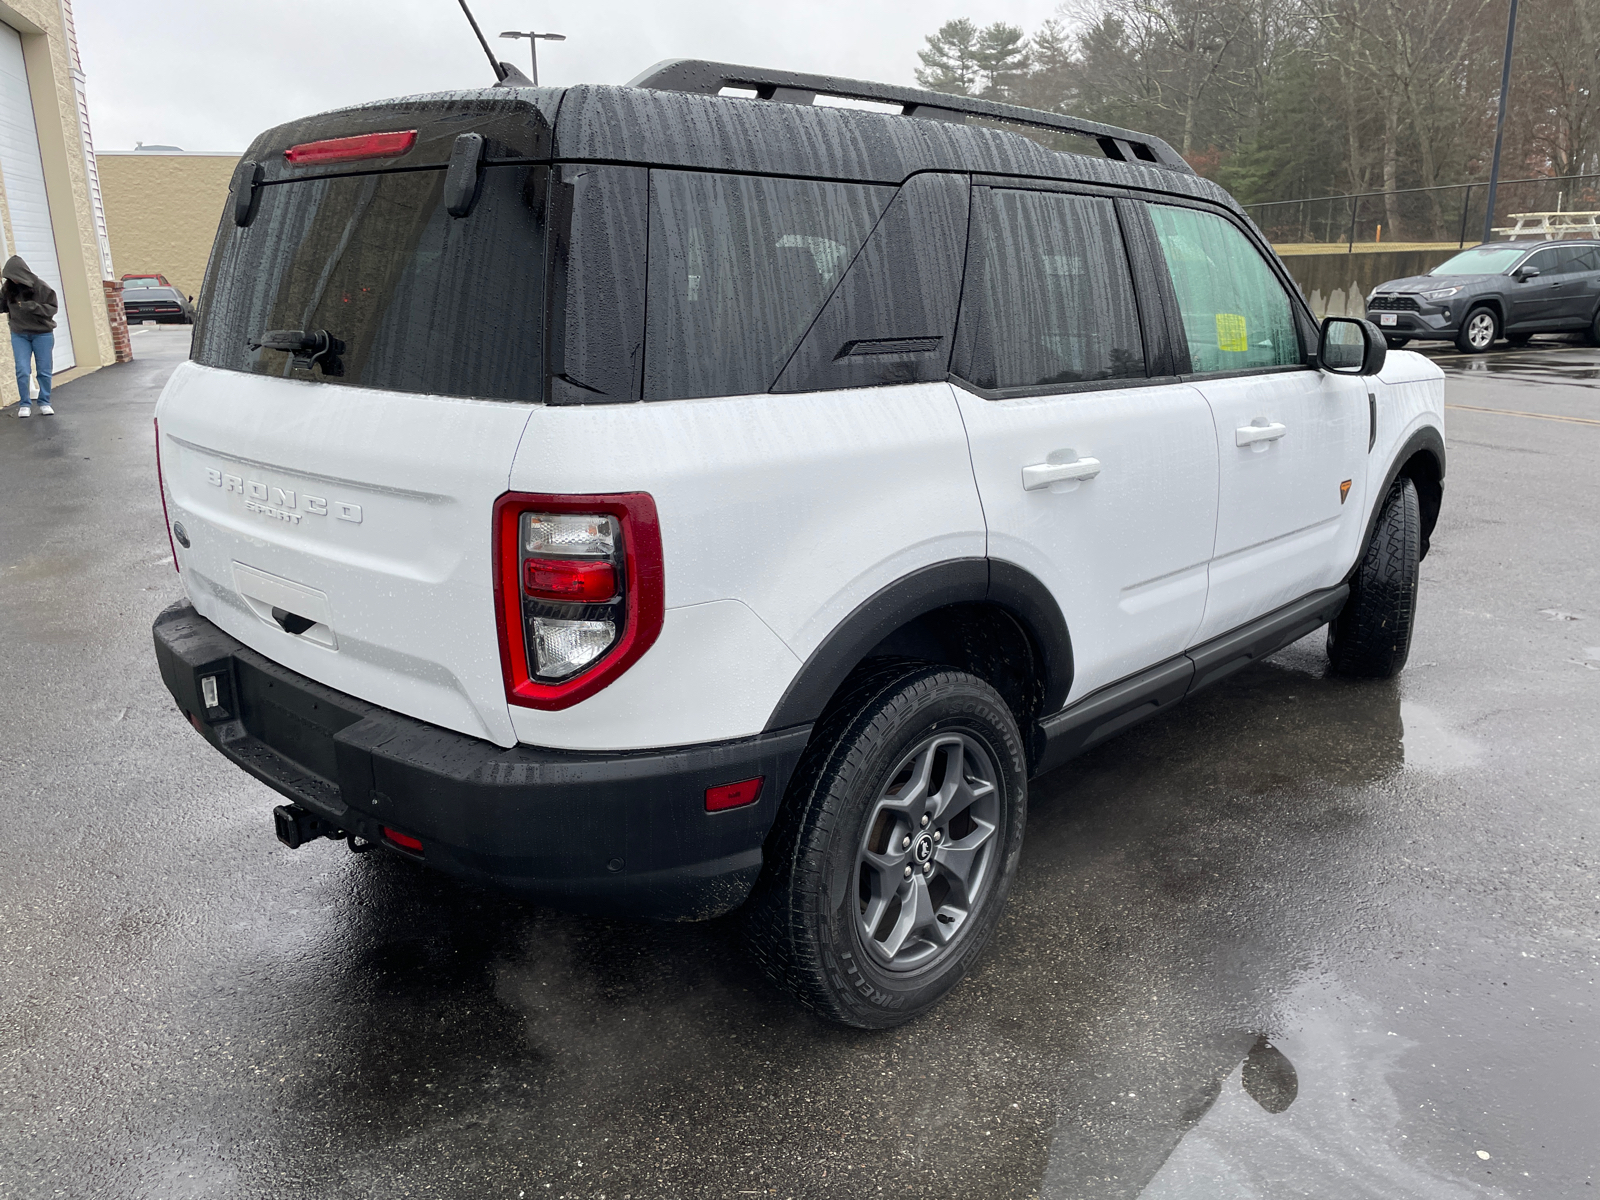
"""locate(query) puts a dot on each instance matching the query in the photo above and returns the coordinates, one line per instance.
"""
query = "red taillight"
(161, 486)
(734, 795)
(403, 840)
(574, 576)
(363, 145)
(560, 579)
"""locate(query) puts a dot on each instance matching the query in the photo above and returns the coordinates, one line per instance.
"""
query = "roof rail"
(709, 78)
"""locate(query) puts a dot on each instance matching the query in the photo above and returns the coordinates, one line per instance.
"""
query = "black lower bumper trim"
(619, 832)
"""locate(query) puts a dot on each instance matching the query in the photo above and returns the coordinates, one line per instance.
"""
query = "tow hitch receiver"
(296, 826)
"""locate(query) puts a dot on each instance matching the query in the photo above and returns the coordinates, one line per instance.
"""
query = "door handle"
(1249, 435)
(1042, 475)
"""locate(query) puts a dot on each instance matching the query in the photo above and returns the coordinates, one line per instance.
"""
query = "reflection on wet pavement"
(1429, 744)
(1343, 1138)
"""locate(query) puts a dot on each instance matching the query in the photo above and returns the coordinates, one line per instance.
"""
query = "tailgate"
(365, 514)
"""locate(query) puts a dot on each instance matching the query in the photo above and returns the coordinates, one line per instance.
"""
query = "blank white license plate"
(1388, 319)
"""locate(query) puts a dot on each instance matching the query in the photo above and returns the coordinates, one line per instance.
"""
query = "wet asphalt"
(1304, 937)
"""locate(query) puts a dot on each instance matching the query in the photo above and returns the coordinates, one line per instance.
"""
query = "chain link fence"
(1449, 214)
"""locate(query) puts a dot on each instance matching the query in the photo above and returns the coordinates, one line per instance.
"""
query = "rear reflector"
(734, 795)
(560, 579)
(161, 486)
(404, 841)
(365, 145)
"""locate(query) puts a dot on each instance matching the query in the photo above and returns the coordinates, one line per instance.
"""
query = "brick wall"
(120, 341)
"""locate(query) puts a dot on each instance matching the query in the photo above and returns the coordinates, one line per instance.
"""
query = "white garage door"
(23, 173)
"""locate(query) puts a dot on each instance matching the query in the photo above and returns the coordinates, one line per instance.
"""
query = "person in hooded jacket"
(30, 303)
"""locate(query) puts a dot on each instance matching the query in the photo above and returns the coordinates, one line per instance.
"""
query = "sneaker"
(45, 410)
(24, 411)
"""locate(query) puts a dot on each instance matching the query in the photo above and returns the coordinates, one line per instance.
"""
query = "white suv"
(662, 499)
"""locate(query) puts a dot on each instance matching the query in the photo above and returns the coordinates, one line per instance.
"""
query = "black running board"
(1107, 712)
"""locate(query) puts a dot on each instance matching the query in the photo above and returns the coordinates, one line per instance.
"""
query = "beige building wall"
(162, 211)
(49, 54)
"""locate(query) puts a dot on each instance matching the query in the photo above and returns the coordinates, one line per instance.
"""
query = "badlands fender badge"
(1344, 490)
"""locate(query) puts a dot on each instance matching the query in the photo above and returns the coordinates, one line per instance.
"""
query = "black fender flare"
(1428, 440)
(955, 581)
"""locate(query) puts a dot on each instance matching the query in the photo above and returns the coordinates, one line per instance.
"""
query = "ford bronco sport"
(660, 500)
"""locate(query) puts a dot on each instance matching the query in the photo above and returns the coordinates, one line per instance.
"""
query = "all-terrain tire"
(1371, 636)
(804, 922)
(1479, 330)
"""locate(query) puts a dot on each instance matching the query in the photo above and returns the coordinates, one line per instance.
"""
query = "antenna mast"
(499, 71)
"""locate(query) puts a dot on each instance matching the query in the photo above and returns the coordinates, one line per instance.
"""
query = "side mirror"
(1351, 346)
(1526, 273)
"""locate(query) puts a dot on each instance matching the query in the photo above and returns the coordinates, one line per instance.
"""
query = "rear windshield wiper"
(309, 348)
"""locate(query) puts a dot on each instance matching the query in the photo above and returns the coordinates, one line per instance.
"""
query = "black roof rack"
(709, 78)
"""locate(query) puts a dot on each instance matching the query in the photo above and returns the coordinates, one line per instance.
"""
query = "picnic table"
(1553, 225)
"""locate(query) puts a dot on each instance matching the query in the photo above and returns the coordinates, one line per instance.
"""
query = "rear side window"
(423, 301)
(1048, 298)
(739, 266)
(1570, 260)
(1236, 315)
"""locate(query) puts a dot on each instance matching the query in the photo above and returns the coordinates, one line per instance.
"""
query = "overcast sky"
(211, 74)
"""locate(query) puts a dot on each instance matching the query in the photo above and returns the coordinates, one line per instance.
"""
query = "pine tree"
(1002, 56)
(950, 63)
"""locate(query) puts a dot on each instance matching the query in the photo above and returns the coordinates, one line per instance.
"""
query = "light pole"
(533, 44)
(1500, 121)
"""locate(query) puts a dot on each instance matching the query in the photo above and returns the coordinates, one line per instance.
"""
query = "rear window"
(423, 301)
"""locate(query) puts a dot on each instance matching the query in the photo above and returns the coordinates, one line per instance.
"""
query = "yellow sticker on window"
(1231, 333)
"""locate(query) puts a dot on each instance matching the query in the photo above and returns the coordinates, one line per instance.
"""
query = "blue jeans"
(40, 347)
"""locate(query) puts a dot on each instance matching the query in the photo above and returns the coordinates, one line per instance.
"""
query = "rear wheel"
(1371, 636)
(891, 863)
(1395, 342)
(1594, 330)
(1478, 331)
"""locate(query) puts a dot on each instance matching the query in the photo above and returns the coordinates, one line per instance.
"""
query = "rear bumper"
(625, 832)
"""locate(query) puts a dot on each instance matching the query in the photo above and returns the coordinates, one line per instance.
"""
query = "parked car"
(145, 300)
(669, 501)
(1515, 289)
(159, 279)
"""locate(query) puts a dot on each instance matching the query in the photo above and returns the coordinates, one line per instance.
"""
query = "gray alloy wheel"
(895, 846)
(1478, 331)
(927, 851)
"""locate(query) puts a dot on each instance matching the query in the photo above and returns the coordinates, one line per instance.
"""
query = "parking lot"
(1303, 937)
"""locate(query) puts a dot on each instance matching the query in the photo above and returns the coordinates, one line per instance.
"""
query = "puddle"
(1311, 1112)
(1429, 744)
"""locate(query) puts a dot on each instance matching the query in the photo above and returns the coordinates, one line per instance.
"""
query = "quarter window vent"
(902, 345)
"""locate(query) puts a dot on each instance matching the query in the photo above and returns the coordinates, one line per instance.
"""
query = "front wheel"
(891, 863)
(1371, 636)
(1478, 331)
